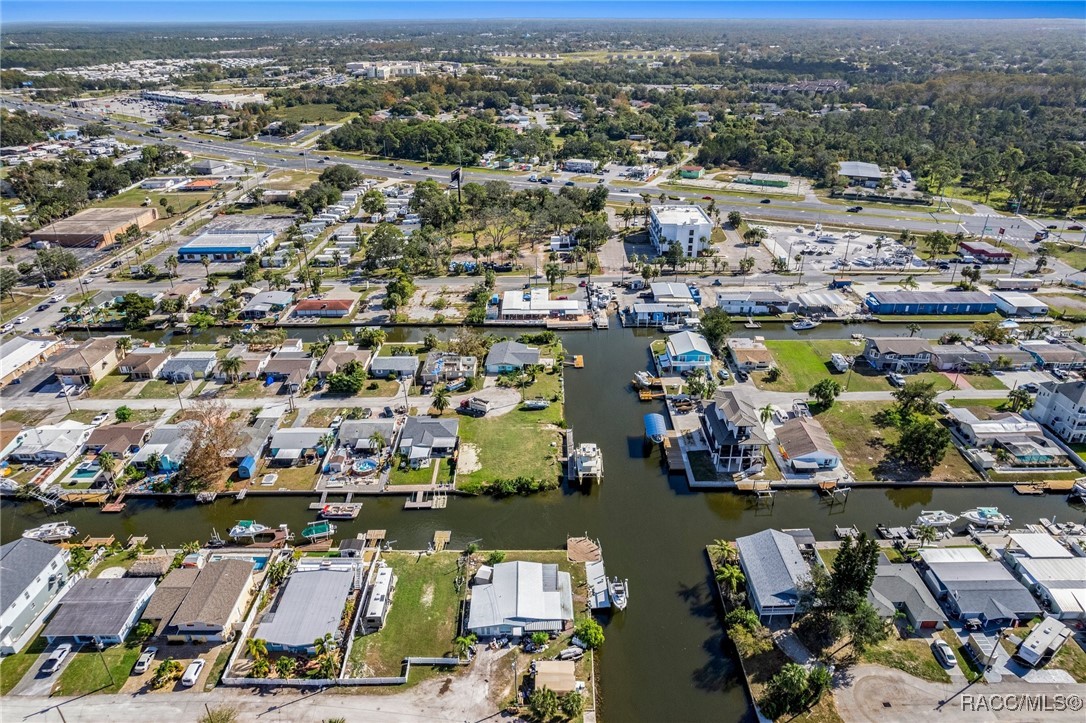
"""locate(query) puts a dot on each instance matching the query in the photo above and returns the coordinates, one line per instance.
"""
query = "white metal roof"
(1040, 545)
(935, 555)
(680, 215)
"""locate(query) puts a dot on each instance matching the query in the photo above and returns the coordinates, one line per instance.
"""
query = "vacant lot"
(517, 444)
(312, 113)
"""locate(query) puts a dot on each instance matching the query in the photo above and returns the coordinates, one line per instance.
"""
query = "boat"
(572, 653)
(320, 530)
(536, 404)
(215, 540)
(1078, 489)
(936, 518)
(643, 379)
(986, 517)
(752, 324)
(802, 324)
(671, 328)
(344, 511)
(249, 529)
(620, 593)
(51, 532)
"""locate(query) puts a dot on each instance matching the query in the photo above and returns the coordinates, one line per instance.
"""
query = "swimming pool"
(365, 466)
(86, 471)
(259, 561)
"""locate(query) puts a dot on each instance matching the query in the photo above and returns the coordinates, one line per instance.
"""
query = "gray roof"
(405, 363)
(522, 593)
(900, 345)
(98, 606)
(985, 588)
(214, 593)
(274, 298)
(189, 362)
(859, 169)
(21, 561)
(512, 353)
(931, 297)
(169, 440)
(298, 437)
(1073, 391)
(429, 432)
(774, 566)
(310, 605)
(357, 432)
(900, 585)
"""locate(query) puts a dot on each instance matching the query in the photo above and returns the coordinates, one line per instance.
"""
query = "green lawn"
(996, 404)
(25, 417)
(517, 444)
(14, 667)
(912, 655)
(182, 202)
(865, 447)
(983, 381)
(87, 671)
(311, 113)
(158, 389)
(110, 386)
(422, 476)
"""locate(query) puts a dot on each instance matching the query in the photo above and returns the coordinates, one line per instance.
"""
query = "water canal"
(665, 658)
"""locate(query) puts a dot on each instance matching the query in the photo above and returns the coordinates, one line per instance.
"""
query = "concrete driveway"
(34, 683)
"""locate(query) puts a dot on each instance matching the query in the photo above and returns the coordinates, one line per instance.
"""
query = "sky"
(202, 11)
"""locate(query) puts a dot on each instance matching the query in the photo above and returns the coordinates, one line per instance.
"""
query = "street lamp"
(98, 644)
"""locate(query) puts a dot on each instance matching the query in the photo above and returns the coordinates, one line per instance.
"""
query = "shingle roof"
(118, 438)
(801, 436)
(512, 353)
(901, 345)
(214, 593)
(774, 566)
(429, 432)
(21, 561)
(901, 585)
(395, 363)
(98, 606)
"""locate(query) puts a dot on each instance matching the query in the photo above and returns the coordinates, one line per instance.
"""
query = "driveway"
(34, 683)
(876, 694)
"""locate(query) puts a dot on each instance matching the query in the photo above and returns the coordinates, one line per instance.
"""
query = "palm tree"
(206, 261)
(327, 440)
(909, 282)
(327, 666)
(325, 645)
(1019, 399)
(927, 534)
(766, 413)
(913, 328)
(463, 644)
(124, 345)
(285, 667)
(108, 464)
(257, 648)
(723, 551)
(337, 256)
(441, 400)
(231, 368)
(171, 268)
(731, 576)
(154, 462)
(377, 442)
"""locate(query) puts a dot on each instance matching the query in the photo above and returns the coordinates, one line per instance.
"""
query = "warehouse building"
(857, 173)
(225, 246)
(1016, 303)
(929, 302)
(94, 227)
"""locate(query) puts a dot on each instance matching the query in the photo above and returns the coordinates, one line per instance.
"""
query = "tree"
(922, 444)
(1019, 399)
(990, 331)
(256, 648)
(230, 367)
(765, 413)
(463, 644)
(285, 667)
(124, 345)
(108, 464)
(206, 261)
(373, 201)
(340, 176)
(825, 391)
(723, 551)
(913, 329)
(915, 396)
(590, 633)
(324, 645)
(735, 219)
(123, 413)
(543, 703)
(786, 692)
(135, 308)
(211, 437)
(853, 572)
(327, 666)
(553, 272)
(168, 670)
(572, 704)
(927, 534)
(865, 626)
(9, 279)
(441, 400)
(716, 326)
(261, 667)
(540, 638)
(819, 680)
(731, 577)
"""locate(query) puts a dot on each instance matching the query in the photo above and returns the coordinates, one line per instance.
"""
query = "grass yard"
(14, 667)
(25, 417)
(517, 444)
(182, 202)
(865, 448)
(23, 302)
(761, 669)
(983, 381)
(422, 620)
(912, 655)
(290, 478)
(381, 388)
(422, 476)
(311, 113)
(998, 405)
(87, 672)
(110, 386)
(159, 389)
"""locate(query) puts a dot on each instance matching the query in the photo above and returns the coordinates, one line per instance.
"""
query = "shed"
(247, 467)
(557, 675)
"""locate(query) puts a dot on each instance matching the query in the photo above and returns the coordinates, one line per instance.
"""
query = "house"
(49, 443)
(1008, 357)
(648, 314)
(266, 304)
(510, 356)
(359, 434)
(1043, 642)
(352, 547)
(400, 367)
(985, 252)
(444, 366)
(20, 354)
(252, 363)
(144, 363)
(739, 302)
(35, 575)
(309, 607)
(901, 354)
(186, 366)
(1022, 440)
(120, 439)
(520, 598)
(806, 446)
(684, 225)
(427, 438)
(971, 586)
(202, 605)
(898, 588)
(685, 351)
(931, 303)
(292, 444)
(100, 610)
(1017, 303)
(187, 293)
(956, 357)
(1054, 356)
(749, 354)
(858, 173)
(338, 355)
(734, 431)
(88, 362)
(1061, 406)
(776, 572)
(225, 247)
(1060, 582)
(325, 308)
(380, 599)
(165, 449)
(291, 368)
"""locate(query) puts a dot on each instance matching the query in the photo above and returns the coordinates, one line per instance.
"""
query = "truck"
(475, 406)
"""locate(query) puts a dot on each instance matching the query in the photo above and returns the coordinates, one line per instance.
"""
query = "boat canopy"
(655, 426)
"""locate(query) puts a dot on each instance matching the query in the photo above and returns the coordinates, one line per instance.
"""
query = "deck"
(599, 598)
(441, 539)
(583, 549)
(673, 454)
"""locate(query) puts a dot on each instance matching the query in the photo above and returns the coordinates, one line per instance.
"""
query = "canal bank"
(665, 657)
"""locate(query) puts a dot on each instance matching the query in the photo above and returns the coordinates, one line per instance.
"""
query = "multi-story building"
(34, 577)
(735, 433)
(687, 226)
(1062, 408)
(906, 355)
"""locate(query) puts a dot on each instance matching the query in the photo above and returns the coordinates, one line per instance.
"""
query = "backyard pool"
(259, 561)
(367, 465)
(87, 470)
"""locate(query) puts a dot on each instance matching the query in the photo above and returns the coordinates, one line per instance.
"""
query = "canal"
(665, 657)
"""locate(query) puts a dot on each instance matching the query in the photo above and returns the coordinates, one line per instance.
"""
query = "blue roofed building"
(686, 351)
(931, 303)
(225, 247)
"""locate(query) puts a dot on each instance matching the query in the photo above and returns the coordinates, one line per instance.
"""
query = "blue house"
(685, 351)
(933, 303)
(510, 356)
(165, 450)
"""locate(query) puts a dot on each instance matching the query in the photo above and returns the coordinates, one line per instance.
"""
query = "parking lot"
(830, 250)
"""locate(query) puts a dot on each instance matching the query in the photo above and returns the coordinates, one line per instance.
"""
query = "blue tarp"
(655, 426)
(246, 467)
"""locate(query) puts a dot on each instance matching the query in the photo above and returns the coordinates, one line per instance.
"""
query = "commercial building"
(94, 228)
(685, 225)
(385, 71)
(234, 101)
(579, 165)
(985, 252)
(35, 575)
(100, 610)
(1017, 303)
(901, 354)
(210, 167)
(20, 354)
(739, 302)
(309, 607)
(225, 247)
(930, 303)
(520, 598)
(776, 572)
(858, 173)
(536, 305)
(1062, 408)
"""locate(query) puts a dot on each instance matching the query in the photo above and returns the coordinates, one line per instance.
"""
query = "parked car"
(367, 413)
(388, 413)
(192, 673)
(6, 328)
(944, 653)
(52, 663)
(1030, 387)
(723, 374)
(707, 198)
(1059, 374)
(741, 376)
(98, 419)
(896, 379)
(854, 209)
(765, 200)
(570, 183)
(144, 663)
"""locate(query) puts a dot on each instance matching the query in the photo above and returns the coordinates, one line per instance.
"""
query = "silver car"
(52, 664)
(144, 663)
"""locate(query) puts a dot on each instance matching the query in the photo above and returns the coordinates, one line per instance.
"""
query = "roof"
(930, 297)
(819, 299)
(190, 362)
(1052, 353)
(680, 214)
(357, 432)
(21, 561)
(118, 438)
(512, 353)
(774, 566)
(429, 432)
(557, 675)
(214, 593)
(169, 440)
(859, 169)
(1017, 298)
(959, 354)
(146, 362)
(403, 363)
(997, 426)
(668, 290)
(169, 595)
(900, 585)
(310, 606)
(537, 300)
(325, 304)
(98, 606)
(90, 353)
(155, 565)
(339, 354)
(984, 588)
(243, 241)
(734, 405)
(63, 439)
(900, 345)
(934, 555)
(687, 342)
(1075, 392)
(19, 350)
(801, 436)
(521, 593)
(298, 437)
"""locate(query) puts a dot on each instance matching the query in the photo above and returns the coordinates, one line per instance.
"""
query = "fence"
(330, 682)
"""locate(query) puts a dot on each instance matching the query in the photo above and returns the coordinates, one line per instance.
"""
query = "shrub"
(495, 557)
(590, 632)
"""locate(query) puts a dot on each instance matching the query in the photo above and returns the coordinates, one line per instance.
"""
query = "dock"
(567, 453)
(117, 505)
(599, 597)
(319, 546)
(280, 538)
(646, 395)
(1035, 488)
(93, 543)
(577, 363)
(136, 541)
(583, 549)
(673, 454)
(374, 538)
(441, 540)
(241, 494)
(419, 501)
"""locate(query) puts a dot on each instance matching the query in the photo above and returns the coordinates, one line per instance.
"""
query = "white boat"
(936, 518)
(51, 532)
(643, 379)
(248, 529)
(536, 404)
(1079, 488)
(801, 324)
(986, 517)
(341, 511)
(620, 593)
(671, 328)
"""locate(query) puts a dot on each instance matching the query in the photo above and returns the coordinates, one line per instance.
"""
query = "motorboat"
(536, 404)
(249, 529)
(802, 324)
(205, 497)
(671, 328)
(572, 653)
(215, 540)
(986, 517)
(643, 379)
(320, 530)
(936, 518)
(620, 593)
(51, 532)
(344, 511)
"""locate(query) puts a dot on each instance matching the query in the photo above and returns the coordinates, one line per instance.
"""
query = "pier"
(419, 501)
(441, 540)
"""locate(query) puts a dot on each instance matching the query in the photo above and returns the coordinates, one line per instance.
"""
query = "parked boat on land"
(620, 593)
(248, 530)
(320, 530)
(535, 404)
(51, 532)
(936, 518)
(986, 517)
(803, 324)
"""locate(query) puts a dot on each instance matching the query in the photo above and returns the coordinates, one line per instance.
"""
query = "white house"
(49, 443)
(518, 598)
(687, 226)
(1062, 408)
(34, 576)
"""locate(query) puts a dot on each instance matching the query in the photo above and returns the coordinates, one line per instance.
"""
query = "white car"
(56, 297)
(52, 663)
(6, 328)
(145, 660)
(22, 320)
(98, 269)
(100, 418)
(192, 673)
(944, 653)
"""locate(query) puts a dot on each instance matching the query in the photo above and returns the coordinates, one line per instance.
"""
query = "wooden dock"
(117, 506)
(319, 546)
(578, 362)
(374, 538)
(583, 549)
(673, 454)
(93, 543)
(441, 539)
(419, 501)
(646, 395)
(280, 538)
(136, 541)
(567, 436)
